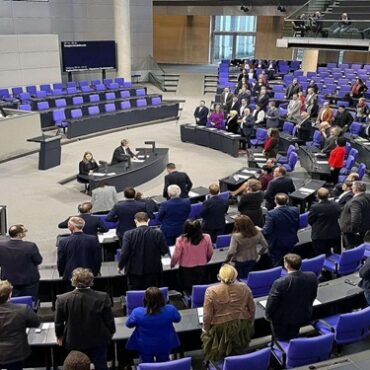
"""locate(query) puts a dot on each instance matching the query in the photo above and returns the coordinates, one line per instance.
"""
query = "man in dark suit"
(19, 262)
(78, 250)
(280, 184)
(346, 194)
(173, 213)
(15, 319)
(354, 220)
(84, 320)
(93, 224)
(293, 88)
(263, 99)
(234, 105)
(365, 280)
(226, 98)
(213, 213)
(125, 211)
(290, 301)
(120, 153)
(280, 229)
(323, 218)
(304, 128)
(142, 249)
(180, 179)
(343, 118)
(201, 114)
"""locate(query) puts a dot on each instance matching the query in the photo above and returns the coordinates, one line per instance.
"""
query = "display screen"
(88, 55)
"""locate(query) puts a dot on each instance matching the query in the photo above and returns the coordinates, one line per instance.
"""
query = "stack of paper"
(200, 314)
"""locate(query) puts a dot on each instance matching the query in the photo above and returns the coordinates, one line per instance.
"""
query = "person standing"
(289, 303)
(213, 213)
(323, 217)
(336, 159)
(271, 146)
(175, 177)
(154, 336)
(93, 224)
(280, 184)
(142, 250)
(193, 250)
(173, 213)
(84, 320)
(354, 220)
(243, 246)
(280, 229)
(78, 250)
(365, 280)
(103, 198)
(76, 360)
(228, 316)
(216, 118)
(201, 114)
(14, 320)
(19, 261)
(125, 211)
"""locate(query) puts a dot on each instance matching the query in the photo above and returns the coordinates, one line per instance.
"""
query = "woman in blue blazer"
(154, 336)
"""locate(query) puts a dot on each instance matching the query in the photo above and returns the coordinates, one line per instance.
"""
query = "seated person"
(201, 114)
(120, 153)
(216, 118)
(86, 166)
(343, 118)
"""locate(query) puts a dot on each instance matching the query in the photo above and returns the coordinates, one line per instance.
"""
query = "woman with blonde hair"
(87, 164)
(228, 316)
(232, 122)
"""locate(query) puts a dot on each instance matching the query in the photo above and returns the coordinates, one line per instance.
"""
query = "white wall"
(29, 60)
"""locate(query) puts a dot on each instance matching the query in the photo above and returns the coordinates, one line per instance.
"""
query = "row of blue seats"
(59, 88)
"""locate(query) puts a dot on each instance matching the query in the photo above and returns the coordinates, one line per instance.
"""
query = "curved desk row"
(333, 297)
(212, 138)
(108, 121)
(317, 167)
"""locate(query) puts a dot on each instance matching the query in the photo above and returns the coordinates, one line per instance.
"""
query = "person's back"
(250, 204)
(103, 198)
(280, 184)
(180, 179)
(83, 311)
(289, 304)
(14, 320)
(19, 260)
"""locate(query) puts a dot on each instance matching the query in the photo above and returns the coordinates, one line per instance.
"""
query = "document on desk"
(322, 162)
(306, 190)
(258, 154)
(99, 174)
(111, 234)
(250, 171)
(141, 156)
(137, 160)
(192, 194)
(200, 314)
(166, 261)
(111, 174)
(242, 176)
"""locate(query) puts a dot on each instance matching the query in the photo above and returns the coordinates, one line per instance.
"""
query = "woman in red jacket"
(336, 159)
(271, 146)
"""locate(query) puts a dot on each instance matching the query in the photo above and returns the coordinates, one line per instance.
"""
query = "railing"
(156, 75)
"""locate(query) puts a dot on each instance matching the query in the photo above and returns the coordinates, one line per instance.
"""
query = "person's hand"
(119, 271)
(331, 168)
(60, 341)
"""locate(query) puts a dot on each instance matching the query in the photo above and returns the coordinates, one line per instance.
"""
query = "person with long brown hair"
(243, 246)
(193, 250)
(87, 165)
(154, 336)
(271, 145)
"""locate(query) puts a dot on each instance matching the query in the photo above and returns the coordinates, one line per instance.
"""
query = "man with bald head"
(78, 250)
(19, 260)
(323, 218)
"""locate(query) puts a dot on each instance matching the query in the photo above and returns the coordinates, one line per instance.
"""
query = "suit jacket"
(355, 217)
(202, 114)
(329, 144)
(85, 167)
(323, 218)
(119, 154)
(247, 126)
(18, 261)
(343, 199)
(124, 212)
(142, 250)
(93, 224)
(172, 215)
(272, 118)
(291, 90)
(104, 198)
(84, 319)
(232, 125)
(213, 213)
(304, 129)
(234, 106)
(294, 109)
(178, 178)
(229, 99)
(78, 250)
(281, 184)
(250, 205)
(263, 101)
(291, 298)
(15, 319)
(280, 230)
(342, 119)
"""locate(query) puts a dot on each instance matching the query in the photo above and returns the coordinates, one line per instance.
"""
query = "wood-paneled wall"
(269, 29)
(181, 39)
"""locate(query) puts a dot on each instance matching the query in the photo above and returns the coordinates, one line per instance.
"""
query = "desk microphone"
(152, 143)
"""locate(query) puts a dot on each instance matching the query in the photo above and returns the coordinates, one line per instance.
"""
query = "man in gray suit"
(103, 198)
(15, 318)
